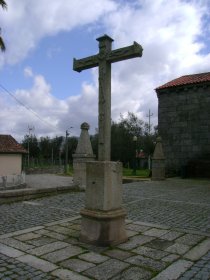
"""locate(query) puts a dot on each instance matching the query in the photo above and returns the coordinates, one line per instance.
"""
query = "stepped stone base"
(103, 228)
(103, 218)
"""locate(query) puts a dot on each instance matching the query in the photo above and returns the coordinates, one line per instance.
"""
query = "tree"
(3, 4)
(123, 147)
(72, 145)
(45, 146)
(30, 143)
(132, 124)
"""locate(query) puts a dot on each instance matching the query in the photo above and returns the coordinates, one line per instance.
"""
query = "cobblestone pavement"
(169, 236)
(200, 270)
(170, 203)
(53, 251)
(11, 268)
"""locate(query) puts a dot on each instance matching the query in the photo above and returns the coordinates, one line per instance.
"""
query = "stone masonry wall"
(184, 125)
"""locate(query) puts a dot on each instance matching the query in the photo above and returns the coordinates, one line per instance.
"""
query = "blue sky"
(42, 37)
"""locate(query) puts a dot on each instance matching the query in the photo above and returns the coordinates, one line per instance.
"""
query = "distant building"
(10, 156)
(184, 123)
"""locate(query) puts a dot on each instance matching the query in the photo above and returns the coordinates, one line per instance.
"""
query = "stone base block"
(103, 228)
(158, 169)
(158, 174)
(103, 185)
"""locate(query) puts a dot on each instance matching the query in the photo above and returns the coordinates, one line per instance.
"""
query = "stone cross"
(103, 60)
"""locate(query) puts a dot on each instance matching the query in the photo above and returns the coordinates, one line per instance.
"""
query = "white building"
(10, 156)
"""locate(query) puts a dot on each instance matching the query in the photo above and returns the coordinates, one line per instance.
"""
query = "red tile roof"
(187, 80)
(9, 145)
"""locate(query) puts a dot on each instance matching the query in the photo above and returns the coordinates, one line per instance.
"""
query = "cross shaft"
(103, 60)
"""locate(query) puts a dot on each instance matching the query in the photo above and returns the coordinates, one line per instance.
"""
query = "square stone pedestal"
(103, 219)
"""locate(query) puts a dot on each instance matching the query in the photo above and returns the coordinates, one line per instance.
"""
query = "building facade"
(10, 156)
(184, 122)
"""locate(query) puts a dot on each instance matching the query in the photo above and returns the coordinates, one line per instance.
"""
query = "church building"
(184, 124)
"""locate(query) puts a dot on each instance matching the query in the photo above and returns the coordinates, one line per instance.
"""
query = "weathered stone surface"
(135, 241)
(83, 154)
(59, 229)
(170, 258)
(151, 253)
(106, 270)
(63, 254)
(104, 185)
(84, 145)
(93, 257)
(103, 228)
(171, 235)
(27, 236)
(155, 232)
(103, 219)
(38, 251)
(174, 270)
(103, 60)
(67, 274)
(9, 251)
(37, 263)
(189, 239)
(131, 233)
(160, 244)
(16, 244)
(76, 265)
(104, 178)
(198, 251)
(41, 241)
(55, 235)
(136, 227)
(144, 261)
(118, 254)
(177, 248)
(158, 162)
(182, 118)
(19, 232)
(134, 273)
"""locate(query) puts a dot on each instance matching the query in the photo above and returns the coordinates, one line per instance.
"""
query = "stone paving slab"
(174, 271)
(170, 203)
(166, 235)
(142, 257)
(38, 263)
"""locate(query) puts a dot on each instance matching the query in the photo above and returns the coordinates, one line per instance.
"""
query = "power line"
(26, 107)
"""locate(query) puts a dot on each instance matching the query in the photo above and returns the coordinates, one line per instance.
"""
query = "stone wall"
(184, 125)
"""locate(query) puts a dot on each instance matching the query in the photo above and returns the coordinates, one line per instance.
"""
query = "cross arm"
(85, 63)
(132, 51)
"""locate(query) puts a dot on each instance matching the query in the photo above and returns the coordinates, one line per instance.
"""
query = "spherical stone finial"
(85, 126)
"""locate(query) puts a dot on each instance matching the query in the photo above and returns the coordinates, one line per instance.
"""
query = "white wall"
(10, 164)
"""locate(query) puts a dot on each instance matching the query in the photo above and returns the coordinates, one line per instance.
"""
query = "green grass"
(127, 172)
(70, 171)
(139, 173)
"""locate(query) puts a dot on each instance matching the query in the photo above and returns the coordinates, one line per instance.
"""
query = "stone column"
(103, 218)
(83, 154)
(158, 162)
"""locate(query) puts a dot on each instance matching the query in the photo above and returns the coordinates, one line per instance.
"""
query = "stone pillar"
(103, 218)
(83, 154)
(158, 162)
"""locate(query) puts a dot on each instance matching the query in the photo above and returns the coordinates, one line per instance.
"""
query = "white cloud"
(35, 106)
(28, 72)
(50, 116)
(169, 31)
(27, 22)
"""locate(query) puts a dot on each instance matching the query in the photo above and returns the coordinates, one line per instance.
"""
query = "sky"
(40, 90)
